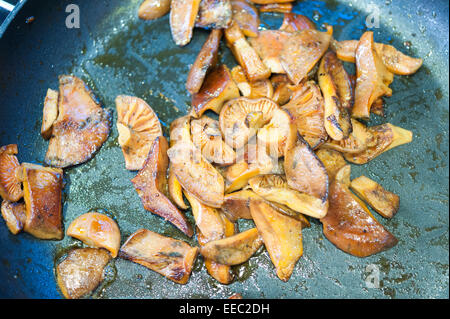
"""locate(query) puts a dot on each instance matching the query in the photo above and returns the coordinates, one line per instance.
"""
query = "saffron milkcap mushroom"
(10, 183)
(153, 9)
(252, 90)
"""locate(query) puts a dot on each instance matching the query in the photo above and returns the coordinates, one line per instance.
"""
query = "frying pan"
(116, 53)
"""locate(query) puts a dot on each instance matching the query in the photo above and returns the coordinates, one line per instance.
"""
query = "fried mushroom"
(50, 113)
(14, 215)
(246, 15)
(216, 14)
(153, 9)
(10, 183)
(183, 14)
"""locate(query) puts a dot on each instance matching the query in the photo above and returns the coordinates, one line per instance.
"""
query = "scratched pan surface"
(115, 53)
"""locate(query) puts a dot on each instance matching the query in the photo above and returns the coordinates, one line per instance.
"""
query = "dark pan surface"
(115, 53)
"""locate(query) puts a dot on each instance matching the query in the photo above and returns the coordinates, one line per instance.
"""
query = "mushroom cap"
(10, 183)
(138, 126)
(252, 90)
(98, 230)
(246, 16)
(153, 9)
(275, 134)
(207, 136)
(296, 22)
(235, 115)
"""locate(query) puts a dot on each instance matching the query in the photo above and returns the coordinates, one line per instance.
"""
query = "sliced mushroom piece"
(218, 87)
(337, 93)
(241, 118)
(246, 56)
(205, 61)
(246, 15)
(216, 14)
(332, 160)
(138, 126)
(275, 188)
(275, 134)
(252, 90)
(42, 190)
(236, 205)
(377, 107)
(306, 109)
(282, 237)
(196, 175)
(207, 137)
(96, 230)
(281, 92)
(169, 257)
(386, 137)
(81, 272)
(153, 9)
(233, 250)
(302, 51)
(382, 201)
(10, 188)
(269, 44)
(175, 189)
(351, 227)
(50, 113)
(183, 14)
(151, 184)
(296, 22)
(82, 125)
(372, 77)
(14, 215)
(304, 171)
(395, 61)
(276, 7)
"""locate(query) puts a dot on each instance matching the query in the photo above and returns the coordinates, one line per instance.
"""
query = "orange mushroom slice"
(332, 160)
(153, 9)
(394, 60)
(302, 51)
(183, 14)
(218, 88)
(275, 134)
(296, 22)
(306, 109)
(138, 126)
(276, 7)
(174, 259)
(236, 204)
(372, 77)
(10, 183)
(252, 90)
(151, 184)
(336, 89)
(207, 137)
(216, 14)
(96, 230)
(196, 175)
(42, 189)
(281, 92)
(351, 227)
(50, 113)
(82, 125)
(282, 237)
(246, 15)
(205, 61)
(14, 215)
(245, 54)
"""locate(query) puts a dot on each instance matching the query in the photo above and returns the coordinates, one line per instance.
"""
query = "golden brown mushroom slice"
(386, 137)
(332, 160)
(282, 237)
(205, 61)
(372, 77)
(196, 175)
(153, 9)
(10, 188)
(281, 89)
(382, 201)
(14, 215)
(275, 134)
(169, 257)
(81, 272)
(246, 15)
(138, 126)
(241, 118)
(236, 205)
(350, 226)
(245, 54)
(218, 87)
(233, 250)
(50, 113)
(275, 188)
(82, 125)
(394, 60)
(269, 44)
(207, 137)
(252, 90)
(378, 108)
(276, 7)
(337, 93)
(302, 51)
(151, 185)
(183, 14)
(296, 22)
(304, 171)
(216, 14)
(96, 230)
(306, 109)
(42, 189)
